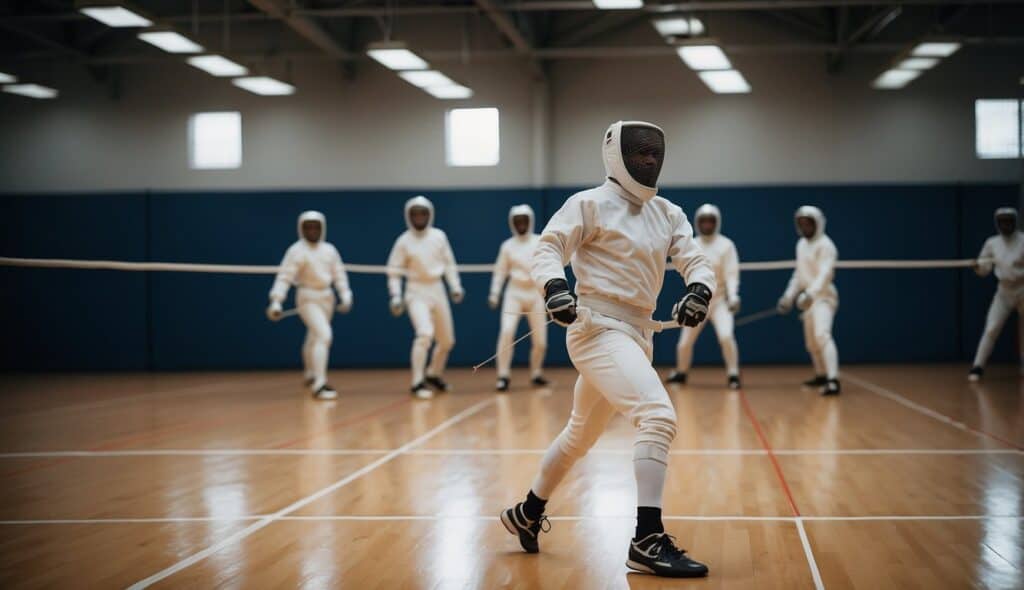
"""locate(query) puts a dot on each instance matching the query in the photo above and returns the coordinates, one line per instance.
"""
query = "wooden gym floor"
(911, 479)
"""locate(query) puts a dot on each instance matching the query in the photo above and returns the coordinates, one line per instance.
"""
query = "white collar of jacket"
(615, 167)
(625, 194)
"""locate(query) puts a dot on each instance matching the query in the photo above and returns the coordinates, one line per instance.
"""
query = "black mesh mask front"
(643, 153)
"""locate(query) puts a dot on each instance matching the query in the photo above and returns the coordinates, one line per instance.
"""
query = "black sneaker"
(831, 387)
(326, 392)
(438, 383)
(502, 385)
(734, 382)
(676, 377)
(657, 554)
(817, 381)
(975, 374)
(539, 381)
(516, 522)
(421, 391)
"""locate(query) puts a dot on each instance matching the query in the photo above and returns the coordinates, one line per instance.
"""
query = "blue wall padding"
(78, 319)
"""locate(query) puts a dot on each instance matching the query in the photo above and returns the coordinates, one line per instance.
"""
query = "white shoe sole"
(326, 395)
(509, 526)
(973, 378)
(633, 565)
(424, 394)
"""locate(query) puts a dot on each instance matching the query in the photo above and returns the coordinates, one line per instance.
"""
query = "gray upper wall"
(799, 125)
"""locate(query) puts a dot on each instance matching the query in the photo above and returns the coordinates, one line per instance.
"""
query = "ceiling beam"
(601, 26)
(304, 26)
(504, 24)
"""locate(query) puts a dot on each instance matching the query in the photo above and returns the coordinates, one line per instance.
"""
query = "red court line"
(771, 455)
(342, 423)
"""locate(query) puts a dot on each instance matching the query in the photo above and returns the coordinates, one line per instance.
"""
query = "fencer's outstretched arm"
(563, 234)
(687, 256)
(984, 265)
(286, 272)
(341, 280)
(451, 269)
(501, 271)
(826, 270)
(395, 268)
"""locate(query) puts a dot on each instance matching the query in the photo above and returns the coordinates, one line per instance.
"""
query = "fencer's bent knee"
(821, 339)
(423, 340)
(574, 441)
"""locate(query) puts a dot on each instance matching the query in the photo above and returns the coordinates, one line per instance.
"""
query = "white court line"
(815, 573)
(917, 517)
(155, 520)
(893, 396)
(263, 522)
(302, 452)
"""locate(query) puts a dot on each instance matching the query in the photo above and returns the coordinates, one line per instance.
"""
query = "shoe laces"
(668, 545)
(544, 523)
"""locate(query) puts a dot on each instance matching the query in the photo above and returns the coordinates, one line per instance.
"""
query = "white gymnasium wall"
(799, 126)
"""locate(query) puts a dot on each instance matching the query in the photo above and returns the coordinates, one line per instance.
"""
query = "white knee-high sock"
(318, 356)
(731, 355)
(504, 360)
(650, 481)
(831, 358)
(418, 360)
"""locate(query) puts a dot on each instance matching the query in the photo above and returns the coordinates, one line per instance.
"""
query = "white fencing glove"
(493, 301)
(784, 306)
(345, 305)
(397, 305)
(693, 307)
(274, 310)
(734, 305)
(457, 296)
(804, 301)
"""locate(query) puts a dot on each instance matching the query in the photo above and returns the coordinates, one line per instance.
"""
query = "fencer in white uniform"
(721, 251)
(1003, 253)
(617, 237)
(313, 265)
(423, 256)
(812, 291)
(521, 297)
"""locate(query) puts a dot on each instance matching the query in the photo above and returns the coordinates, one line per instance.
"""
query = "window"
(471, 137)
(998, 128)
(215, 140)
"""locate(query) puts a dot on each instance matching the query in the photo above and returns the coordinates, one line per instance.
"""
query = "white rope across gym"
(465, 268)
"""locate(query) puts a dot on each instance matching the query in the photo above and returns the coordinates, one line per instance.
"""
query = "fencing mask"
(634, 152)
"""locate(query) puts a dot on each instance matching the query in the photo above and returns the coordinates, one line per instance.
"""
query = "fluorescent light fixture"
(395, 56)
(116, 16)
(170, 41)
(725, 81)
(215, 140)
(264, 86)
(7, 78)
(217, 65)
(426, 78)
(453, 91)
(704, 57)
(31, 90)
(895, 79)
(918, 63)
(678, 26)
(935, 49)
(472, 137)
(618, 4)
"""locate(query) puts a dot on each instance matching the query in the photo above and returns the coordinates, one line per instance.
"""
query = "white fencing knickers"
(721, 317)
(316, 308)
(614, 361)
(431, 318)
(818, 338)
(517, 302)
(1005, 301)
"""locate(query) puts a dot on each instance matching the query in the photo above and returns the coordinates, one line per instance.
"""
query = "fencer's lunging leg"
(822, 314)
(998, 312)
(722, 318)
(590, 415)
(419, 315)
(509, 323)
(319, 325)
(537, 321)
(444, 334)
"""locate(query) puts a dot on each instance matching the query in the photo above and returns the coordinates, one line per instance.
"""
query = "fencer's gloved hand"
(734, 305)
(559, 302)
(458, 296)
(274, 311)
(493, 301)
(345, 305)
(693, 307)
(804, 301)
(397, 305)
(784, 306)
